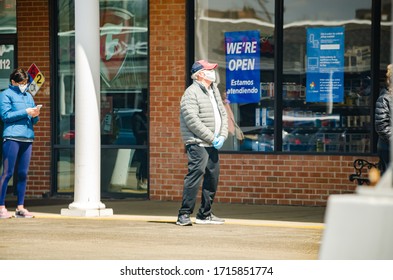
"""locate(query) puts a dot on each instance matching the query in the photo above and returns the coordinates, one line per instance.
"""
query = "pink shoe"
(4, 214)
(23, 213)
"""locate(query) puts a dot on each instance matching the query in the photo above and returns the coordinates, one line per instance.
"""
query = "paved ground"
(146, 230)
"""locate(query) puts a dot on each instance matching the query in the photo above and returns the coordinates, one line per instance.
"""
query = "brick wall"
(33, 47)
(247, 178)
(284, 179)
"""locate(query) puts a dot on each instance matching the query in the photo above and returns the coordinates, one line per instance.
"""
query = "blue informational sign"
(325, 64)
(242, 51)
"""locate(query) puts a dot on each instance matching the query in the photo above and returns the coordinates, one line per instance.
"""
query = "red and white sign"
(115, 29)
(38, 79)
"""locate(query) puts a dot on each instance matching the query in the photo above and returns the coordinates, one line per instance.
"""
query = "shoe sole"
(207, 222)
(185, 224)
(24, 217)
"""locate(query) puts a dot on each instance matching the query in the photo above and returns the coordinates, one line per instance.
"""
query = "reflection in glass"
(65, 171)
(385, 37)
(327, 126)
(120, 171)
(7, 64)
(213, 19)
(124, 86)
(8, 17)
(124, 65)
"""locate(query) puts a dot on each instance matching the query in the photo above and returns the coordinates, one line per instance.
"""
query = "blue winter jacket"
(13, 105)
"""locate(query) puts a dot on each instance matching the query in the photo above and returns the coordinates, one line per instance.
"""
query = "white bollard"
(360, 226)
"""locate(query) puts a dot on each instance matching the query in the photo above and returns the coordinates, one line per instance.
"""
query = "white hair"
(195, 75)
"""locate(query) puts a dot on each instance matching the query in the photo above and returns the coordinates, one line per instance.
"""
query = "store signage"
(38, 79)
(242, 52)
(6, 64)
(325, 64)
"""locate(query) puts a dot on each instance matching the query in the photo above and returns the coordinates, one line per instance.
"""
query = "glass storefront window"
(124, 91)
(327, 96)
(215, 23)
(7, 17)
(65, 170)
(123, 171)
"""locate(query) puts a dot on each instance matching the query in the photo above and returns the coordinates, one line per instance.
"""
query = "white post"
(87, 113)
(390, 167)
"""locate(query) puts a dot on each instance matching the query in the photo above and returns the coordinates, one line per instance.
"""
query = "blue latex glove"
(218, 142)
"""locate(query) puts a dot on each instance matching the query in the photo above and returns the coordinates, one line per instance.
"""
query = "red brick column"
(33, 47)
(167, 83)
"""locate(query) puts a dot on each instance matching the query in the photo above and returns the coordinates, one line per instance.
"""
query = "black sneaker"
(184, 220)
(209, 220)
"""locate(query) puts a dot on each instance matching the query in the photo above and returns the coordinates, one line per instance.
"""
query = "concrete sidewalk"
(143, 229)
(137, 207)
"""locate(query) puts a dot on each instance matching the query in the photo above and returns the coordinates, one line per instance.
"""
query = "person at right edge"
(204, 129)
(382, 121)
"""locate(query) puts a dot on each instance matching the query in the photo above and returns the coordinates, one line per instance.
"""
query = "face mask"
(22, 88)
(210, 75)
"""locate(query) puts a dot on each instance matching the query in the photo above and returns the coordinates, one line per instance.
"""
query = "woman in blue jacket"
(19, 113)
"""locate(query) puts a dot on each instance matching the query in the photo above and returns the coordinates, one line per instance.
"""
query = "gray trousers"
(203, 163)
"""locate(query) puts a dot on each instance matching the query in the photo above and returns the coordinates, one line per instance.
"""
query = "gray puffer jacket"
(197, 116)
(382, 117)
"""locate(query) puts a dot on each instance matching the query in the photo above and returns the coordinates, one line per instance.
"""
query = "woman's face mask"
(22, 88)
(22, 85)
(210, 75)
